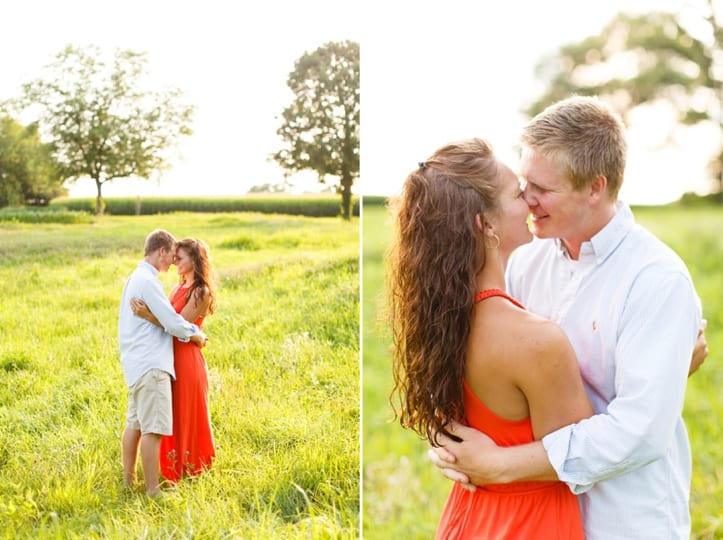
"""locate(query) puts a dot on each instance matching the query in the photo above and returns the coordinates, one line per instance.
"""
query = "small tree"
(321, 126)
(101, 122)
(28, 173)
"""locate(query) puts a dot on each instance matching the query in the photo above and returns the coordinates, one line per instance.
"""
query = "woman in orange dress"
(464, 351)
(190, 450)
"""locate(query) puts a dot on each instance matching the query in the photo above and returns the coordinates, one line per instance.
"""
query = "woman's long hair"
(202, 270)
(433, 260)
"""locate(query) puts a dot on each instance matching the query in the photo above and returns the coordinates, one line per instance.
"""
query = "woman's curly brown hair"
(202, 270)
(433, 260)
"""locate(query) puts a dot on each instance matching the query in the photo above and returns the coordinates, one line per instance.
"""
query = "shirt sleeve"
(172, 322)
(657, 333)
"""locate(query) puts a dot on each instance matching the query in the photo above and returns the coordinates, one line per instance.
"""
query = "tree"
(268, 188)
(321, 126)
(645, 59)
(28, 173)
(100, 121)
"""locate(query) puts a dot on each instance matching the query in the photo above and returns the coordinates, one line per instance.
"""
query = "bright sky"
(435, 72)
(431, 72)
(231, 59)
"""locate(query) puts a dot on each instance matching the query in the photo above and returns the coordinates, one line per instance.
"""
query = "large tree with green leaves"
(321, 126)
(28, 172)
(645, 58)
(100, 118)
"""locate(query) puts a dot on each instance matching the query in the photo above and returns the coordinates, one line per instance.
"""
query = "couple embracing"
(570, 351)
(160, 348)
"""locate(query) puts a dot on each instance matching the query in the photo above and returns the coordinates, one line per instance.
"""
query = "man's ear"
(598, 188)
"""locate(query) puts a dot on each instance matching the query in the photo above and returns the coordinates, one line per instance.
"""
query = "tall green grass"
(403, 494)
(283, 381)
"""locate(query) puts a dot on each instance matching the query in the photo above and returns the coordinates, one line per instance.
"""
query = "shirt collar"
(608, 238)
(148, 266)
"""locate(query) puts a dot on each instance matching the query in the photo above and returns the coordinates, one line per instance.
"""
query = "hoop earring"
(497, 238)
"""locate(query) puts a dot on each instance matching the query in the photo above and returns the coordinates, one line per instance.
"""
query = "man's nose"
(528, 196)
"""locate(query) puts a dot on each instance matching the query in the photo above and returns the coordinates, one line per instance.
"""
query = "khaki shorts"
(150, 405)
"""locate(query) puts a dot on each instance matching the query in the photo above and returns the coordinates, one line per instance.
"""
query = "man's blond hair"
(159, 239)
(585, 137)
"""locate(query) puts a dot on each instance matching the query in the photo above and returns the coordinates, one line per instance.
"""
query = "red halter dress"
(520, 510)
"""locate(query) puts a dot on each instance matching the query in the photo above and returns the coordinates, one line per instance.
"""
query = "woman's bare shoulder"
(202, 296)
(201, 291)
(542, 345)
(516, 331)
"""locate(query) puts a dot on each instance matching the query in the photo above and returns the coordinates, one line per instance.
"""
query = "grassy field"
(403, 494)
(283, 375)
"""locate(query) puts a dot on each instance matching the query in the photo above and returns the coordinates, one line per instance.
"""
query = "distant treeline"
(374, 200)
(687, 199)
(302, 205)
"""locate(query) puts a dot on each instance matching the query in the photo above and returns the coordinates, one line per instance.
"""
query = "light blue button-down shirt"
(143, 345)
(629, 308)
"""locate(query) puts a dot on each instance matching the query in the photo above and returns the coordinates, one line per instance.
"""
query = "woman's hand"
(701, 349)
(140, 309)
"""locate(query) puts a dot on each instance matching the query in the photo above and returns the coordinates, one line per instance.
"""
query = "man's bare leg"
(129, 452)
(150, 450)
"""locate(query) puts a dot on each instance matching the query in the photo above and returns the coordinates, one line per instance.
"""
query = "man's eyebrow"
(525, 180)
(536, 185)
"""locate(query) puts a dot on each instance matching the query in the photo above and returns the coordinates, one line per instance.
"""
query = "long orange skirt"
(190, 450)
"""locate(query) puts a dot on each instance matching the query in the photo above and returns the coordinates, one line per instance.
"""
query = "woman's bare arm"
(140, 309)
(195, 306)
(549, 377)
(547, 373)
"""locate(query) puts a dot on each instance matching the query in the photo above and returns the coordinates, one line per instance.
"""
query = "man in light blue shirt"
(629, 308)
(146, 353)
